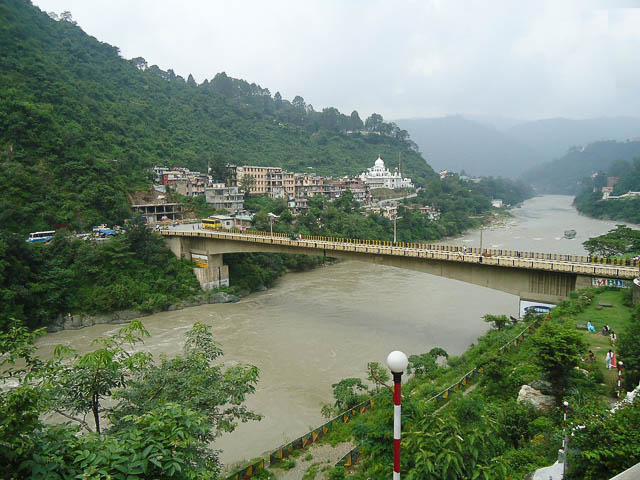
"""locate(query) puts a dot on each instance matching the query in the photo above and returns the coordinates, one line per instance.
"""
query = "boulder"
(536, 398)
(222, 297)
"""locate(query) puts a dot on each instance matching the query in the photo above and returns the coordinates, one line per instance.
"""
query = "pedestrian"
(590, 327)
(614, 363)
(591, 357)
(613, 337)
(608, 359)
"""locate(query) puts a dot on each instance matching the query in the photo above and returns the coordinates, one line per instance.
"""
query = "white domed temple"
(379, 176)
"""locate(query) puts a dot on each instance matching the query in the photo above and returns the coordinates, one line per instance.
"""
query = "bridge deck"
(549, 262)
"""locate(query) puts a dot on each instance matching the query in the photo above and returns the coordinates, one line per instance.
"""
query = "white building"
(379, 176)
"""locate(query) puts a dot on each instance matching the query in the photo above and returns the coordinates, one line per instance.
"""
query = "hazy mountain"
(565, 174)
(456, 143)
(553, 137)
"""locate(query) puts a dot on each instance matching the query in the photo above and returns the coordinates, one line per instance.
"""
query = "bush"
(607, 444)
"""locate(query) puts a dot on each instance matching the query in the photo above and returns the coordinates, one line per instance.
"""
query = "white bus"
(43, 237)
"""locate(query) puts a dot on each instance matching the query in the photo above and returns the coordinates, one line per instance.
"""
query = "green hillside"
(567, 174)
(78, 124)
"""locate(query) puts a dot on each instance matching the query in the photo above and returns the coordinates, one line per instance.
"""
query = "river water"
(314, 328)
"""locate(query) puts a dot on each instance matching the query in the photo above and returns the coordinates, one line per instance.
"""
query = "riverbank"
(217, 296)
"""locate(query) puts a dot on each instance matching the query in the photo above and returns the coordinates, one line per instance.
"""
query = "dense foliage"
(621, 241)
(485, 432)
(69, 275)
(589, 200)
(566, 175)
(162, 416)
(606, 443)
(78, 123)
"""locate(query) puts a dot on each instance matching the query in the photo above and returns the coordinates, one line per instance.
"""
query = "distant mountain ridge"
(553, 137)
(565, 175)
(485, 145)
(456, 143)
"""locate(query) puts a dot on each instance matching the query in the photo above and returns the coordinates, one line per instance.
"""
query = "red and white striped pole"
(619, 380)
(397, 363)
(564, 438)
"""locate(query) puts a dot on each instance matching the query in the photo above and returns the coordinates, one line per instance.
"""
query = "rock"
(261, 288)
(88, 321)
(222, 297)
(543, 385)
(172, 308)
(536, 398)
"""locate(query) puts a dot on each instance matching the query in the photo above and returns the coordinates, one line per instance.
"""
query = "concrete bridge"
(540, 277)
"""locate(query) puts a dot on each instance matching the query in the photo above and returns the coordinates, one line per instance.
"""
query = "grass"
(617, 317)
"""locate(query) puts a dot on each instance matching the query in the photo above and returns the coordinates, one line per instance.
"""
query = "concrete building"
(159, 212)
(379, 176)
(243, 222)
(223, 197)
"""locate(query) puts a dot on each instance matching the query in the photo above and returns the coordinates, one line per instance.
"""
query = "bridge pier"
(210, 272)
(209, 268)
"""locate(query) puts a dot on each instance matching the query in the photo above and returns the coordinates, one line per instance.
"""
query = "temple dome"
(379, 162)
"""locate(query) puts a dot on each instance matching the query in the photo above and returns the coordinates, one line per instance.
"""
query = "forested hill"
(567, 174)
(78, 124)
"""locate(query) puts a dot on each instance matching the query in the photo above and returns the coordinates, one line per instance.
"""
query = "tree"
(81, 384)
(557, 348)
(606, 444)
(374, 123)
(356, 123)
(162, 423)
(629, 350)
(377, 374)
(618, 241)
(348, 393)
(497, 321)
(247, 182)
(194, 380)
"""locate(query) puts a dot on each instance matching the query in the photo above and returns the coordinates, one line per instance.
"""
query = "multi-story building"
(261, 180)
(223, 197)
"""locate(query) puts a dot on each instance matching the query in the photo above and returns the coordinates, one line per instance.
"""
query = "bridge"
(539, 277)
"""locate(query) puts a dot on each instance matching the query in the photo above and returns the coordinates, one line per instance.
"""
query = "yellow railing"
(595, 266)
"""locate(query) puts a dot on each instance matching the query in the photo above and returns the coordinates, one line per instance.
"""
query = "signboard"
(536, 306)
(201, 261)
(610, 282)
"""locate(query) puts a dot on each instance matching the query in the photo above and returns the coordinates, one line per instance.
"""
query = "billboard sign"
(610, 282)
(202, 261)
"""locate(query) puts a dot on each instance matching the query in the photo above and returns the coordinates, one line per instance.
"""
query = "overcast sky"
(523, 59)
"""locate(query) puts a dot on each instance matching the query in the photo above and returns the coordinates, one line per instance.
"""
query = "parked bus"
(41, 237)
(211, 224)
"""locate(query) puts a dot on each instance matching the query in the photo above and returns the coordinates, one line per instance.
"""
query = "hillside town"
(273, 182)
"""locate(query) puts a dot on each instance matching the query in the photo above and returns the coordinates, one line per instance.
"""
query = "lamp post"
(397, 363)
(564, 438)
(395, 221)
(271, 217)
(619, 364)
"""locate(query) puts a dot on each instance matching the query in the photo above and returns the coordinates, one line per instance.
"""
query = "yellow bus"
(211, 224)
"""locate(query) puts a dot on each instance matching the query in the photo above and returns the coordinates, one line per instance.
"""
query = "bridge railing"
(500, 257)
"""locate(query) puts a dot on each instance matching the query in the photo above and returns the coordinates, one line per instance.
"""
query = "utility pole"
(395, 221)
(480, 240)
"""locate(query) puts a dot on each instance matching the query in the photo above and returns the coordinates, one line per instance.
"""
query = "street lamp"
(397, 363)
(395, 220)
(271, 217)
